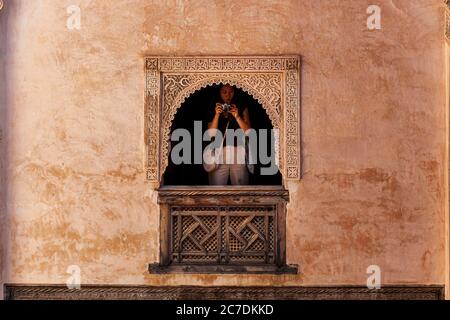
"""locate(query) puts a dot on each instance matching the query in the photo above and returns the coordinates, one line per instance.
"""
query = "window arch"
(197, 108)
(273, 80)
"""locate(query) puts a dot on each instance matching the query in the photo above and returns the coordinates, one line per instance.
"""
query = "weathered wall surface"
(372, 135)
(3, 144)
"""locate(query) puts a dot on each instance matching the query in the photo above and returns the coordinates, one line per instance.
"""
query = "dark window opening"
(199, 107)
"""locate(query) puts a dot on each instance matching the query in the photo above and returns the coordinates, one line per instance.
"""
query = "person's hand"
(218, 109)
(234, 110)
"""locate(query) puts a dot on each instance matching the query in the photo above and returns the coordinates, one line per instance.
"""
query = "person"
(238, 117)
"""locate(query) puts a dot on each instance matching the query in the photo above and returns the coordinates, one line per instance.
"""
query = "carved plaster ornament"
(272, 80)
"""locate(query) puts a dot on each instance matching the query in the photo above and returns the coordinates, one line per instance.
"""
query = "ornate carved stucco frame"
(272, 80)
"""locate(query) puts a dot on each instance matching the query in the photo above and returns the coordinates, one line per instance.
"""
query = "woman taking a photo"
(237, 117)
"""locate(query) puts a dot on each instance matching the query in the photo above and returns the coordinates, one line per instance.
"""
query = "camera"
(225, 107)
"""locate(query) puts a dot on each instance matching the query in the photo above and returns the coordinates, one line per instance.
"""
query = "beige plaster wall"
(446, 172)
(373, 135)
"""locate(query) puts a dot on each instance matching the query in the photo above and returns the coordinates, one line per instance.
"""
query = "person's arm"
(214, 124)
(244, 121)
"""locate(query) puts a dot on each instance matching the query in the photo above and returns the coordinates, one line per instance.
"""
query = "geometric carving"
(272, 80)
(223, 234)
(222, 229)
(110, 292)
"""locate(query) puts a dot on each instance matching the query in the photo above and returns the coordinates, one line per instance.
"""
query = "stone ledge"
(114, 292)
(222, 269)
(257, 193)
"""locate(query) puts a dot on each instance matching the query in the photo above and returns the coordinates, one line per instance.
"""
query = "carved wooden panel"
(223, 229)
(272, 80)
(223, 234)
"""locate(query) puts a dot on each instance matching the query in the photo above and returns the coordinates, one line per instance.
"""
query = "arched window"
(208, 228)
(198, 110)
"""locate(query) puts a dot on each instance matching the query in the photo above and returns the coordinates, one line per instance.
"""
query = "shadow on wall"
(5, 91)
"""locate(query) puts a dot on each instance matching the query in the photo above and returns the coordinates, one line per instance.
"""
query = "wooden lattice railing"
(223, 234)
(213, 229)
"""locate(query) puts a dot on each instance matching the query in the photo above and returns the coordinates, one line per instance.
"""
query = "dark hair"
(237, 99)
(219, 97)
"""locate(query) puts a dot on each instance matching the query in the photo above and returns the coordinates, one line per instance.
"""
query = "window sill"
(253, 193)
(222, 269)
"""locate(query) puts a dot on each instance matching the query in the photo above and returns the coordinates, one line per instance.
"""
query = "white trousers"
(235, 169)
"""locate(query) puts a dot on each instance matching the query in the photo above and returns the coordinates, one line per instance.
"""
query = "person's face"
(227, 93)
